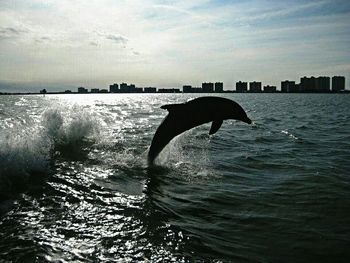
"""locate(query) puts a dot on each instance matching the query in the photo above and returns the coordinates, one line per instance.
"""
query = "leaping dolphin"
(185, 116)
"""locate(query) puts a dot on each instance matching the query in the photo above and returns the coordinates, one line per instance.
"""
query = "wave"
(27, 152)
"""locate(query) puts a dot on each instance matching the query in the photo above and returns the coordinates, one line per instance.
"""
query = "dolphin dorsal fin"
(172, 107)
(215, 126)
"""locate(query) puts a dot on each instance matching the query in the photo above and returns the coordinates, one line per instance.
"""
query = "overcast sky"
(171, 43)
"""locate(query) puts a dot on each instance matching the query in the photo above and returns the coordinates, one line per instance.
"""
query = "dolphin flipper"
(215, 126)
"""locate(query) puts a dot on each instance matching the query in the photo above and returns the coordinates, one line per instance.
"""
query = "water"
(75, 185)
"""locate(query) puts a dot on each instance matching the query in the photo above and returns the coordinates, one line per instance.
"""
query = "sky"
(70, 43)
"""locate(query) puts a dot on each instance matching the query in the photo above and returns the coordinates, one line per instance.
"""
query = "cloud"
(11, 32)
(118, 39)
(43, 39)
(178, 40)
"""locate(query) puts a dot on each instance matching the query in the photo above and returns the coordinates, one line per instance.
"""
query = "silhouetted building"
(103, 91)
(67, 91)
(254, 86)
(82, 90)
(322, 84)
(208, 87)
(186, 88)
(113, 88)
(131, 88)
(308, 84)
(150, 90)
(95, 90)
(138, 90)
(241, 86)
(288, 86)
(270, 89)
(197, 89)
(219, 87)
(123, 88)
(169, 90)
(338, 83)
(312, 84)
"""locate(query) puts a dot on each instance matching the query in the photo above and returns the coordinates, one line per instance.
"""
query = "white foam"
(26, 151)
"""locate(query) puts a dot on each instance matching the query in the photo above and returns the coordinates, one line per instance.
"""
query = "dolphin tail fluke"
(215, 126)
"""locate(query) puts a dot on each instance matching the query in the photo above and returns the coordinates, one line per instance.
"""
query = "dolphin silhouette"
(185, 116)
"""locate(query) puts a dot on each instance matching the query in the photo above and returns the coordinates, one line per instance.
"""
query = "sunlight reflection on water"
(75, 167)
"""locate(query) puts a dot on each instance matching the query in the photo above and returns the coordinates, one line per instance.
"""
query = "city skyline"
(60, 44)
(320, 84)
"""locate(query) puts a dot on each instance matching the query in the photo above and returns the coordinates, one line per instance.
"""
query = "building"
(186, 88)
(338, 83)
(67, 91)
(131, 88)
(150, 90)
(219, 87)
(123, 87)
(208, 87)
(308, 84)
(103, 91)
(312, 84)
(270, 89)
(323, 84)
(197, 89)
(95, 90)
(113, 88)
(254, 86)
(138, 90)
(241, 86)
(288, 86)
(169, 90)
(82, 90)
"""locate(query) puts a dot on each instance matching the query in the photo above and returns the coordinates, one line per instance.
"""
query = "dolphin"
(185, 116)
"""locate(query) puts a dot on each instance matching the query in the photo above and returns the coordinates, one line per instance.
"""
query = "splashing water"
(75, 169)
(26, 152)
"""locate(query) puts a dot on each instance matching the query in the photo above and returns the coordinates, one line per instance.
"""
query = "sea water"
(75, 185)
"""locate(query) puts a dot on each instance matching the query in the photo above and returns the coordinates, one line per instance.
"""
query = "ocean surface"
(75, 185)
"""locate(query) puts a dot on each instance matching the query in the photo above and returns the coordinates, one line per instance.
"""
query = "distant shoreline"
(250, 92)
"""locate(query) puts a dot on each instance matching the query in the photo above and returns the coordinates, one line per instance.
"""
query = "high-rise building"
(208, 87)
(132, 88)
(124, 87)
(323, 84)
(219, 87)
(82, 90)
(138, 90)
(113, 88)
(186, 88)
(241, 86)
(288, 86)
(338, 83)
(270, 89)
(254, 86)
(308, 84)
